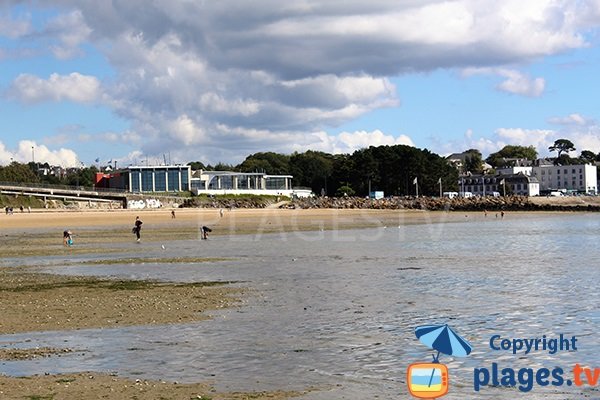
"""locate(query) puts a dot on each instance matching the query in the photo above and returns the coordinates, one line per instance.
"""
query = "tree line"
(391, 169)
(33, 173)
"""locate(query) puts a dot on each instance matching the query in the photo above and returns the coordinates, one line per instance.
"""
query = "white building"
(227, 182)
(515, 170)
(494, 185)
(575, 178)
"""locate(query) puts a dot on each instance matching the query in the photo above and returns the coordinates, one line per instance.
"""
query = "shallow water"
(336, 310)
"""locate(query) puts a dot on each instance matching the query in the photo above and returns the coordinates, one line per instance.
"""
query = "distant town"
(375, 171)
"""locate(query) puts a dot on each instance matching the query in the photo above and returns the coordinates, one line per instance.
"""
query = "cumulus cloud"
(71, 31)
(227, 76)
(73, 87)
(584, 133)
(348, 142)
(28, 150)
(571, 119)
(515, 82)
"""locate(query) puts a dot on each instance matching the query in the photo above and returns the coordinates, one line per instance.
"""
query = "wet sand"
(32, 301)
(102, 386)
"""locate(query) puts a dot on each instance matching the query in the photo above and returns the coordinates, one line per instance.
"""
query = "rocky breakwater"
(229, 203)
(509, 203)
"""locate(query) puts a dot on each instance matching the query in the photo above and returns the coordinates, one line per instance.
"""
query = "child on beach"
(67, 238)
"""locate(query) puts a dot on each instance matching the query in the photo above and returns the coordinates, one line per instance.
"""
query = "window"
(146, 180)
(135, 181)
(160, 177)
(173, 180)
(276, 183)
(184, 180)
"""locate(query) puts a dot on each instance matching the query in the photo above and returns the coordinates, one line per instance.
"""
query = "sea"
(334, 312)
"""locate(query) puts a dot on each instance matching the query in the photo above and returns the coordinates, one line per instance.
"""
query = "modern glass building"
(151, 179)
(227, 182)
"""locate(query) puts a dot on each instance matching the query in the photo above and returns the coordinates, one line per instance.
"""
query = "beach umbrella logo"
(430, 380)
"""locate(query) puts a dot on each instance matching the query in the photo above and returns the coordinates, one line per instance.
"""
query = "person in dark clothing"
(204, 232)
(137, 228)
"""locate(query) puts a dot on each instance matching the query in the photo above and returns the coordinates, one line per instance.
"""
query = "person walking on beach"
(172, 214)
(137, 228)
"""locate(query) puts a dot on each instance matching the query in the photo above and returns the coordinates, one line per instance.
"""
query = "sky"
(140, 82)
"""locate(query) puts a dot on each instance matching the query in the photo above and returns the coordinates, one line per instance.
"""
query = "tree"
(344, 190)
(588, 156)
(19, 173)
(562, 146)
(268, 162)
(473, 161)
(312, 169)
(197, 165)
(502, 157)
(222, 167)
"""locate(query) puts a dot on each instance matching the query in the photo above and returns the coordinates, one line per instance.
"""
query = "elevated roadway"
(64, 192)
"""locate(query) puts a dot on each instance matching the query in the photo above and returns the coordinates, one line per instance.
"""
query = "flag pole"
(416, 183)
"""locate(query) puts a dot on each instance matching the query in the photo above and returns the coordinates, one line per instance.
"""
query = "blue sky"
(217, 81)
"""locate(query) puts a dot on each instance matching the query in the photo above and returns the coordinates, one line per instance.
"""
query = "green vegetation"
(502, 157)
(20, 201)
(29, 283)
(388, 168)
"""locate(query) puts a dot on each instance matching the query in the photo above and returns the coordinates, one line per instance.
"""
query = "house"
(492, 185)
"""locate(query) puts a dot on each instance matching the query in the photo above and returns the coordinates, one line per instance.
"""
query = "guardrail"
(42, 185)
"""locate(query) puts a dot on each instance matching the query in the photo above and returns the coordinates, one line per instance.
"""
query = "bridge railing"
(64, 187)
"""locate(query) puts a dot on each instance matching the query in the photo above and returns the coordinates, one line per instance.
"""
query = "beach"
(33, 300)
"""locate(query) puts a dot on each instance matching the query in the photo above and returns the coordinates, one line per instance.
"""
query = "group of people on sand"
(137, 228)
(10, 211)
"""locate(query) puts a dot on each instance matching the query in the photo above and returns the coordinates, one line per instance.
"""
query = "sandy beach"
(34, 301)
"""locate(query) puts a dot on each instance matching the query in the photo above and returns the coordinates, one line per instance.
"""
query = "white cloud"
(28, 150)
(526, 137)
(73, 87)
(515, 82)
(348, 142)
(571, 119)
(71, 31)
(585, 135)
(233, 76)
